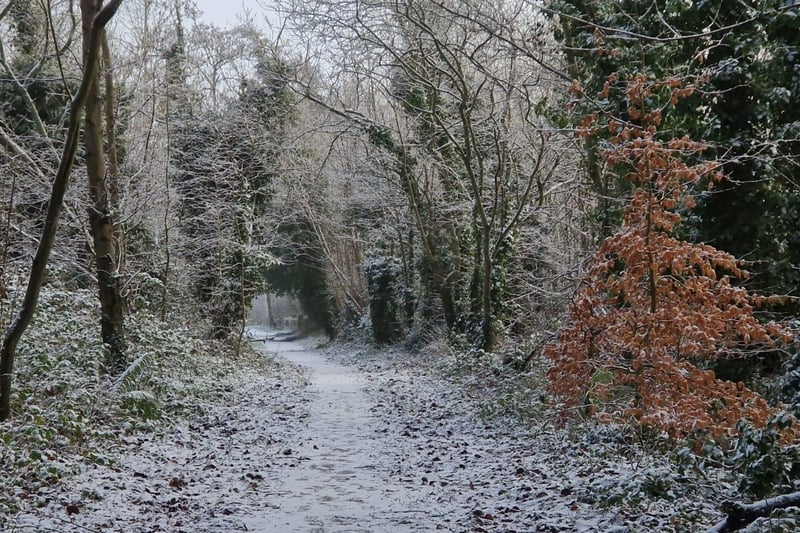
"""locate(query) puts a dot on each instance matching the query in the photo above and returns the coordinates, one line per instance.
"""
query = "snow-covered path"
(386, 450)
(371, 446)
(339, 475)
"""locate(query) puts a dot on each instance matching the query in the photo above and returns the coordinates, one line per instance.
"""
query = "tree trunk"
(271, 319)
(100, 214)
(60, 183)
(487, 309)
(113, 157)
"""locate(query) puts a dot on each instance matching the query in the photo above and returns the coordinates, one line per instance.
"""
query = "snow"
(350, 440)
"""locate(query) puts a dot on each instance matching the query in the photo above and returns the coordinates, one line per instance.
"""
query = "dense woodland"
(603, 192)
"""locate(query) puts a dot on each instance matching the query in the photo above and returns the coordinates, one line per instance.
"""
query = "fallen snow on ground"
(493, 475)
(363, 442)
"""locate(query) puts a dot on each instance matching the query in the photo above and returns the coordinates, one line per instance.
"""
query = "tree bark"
(61, 181)
(114, 192)
(101, 220)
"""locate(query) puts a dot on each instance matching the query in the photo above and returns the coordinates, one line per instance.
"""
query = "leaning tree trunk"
(60, 182)
(101, 220)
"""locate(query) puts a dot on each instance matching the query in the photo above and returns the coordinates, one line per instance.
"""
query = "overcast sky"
(225, 12)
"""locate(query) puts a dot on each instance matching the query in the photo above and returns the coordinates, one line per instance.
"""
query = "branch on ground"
(742, 514)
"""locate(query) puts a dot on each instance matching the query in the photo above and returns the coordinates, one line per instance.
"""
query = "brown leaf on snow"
(73, 508)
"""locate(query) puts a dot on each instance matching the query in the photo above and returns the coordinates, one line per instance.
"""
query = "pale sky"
(225, 12)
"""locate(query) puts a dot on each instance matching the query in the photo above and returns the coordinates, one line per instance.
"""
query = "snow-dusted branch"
(742, 514)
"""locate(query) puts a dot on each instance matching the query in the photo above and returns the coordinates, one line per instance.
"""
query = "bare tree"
(454, 109)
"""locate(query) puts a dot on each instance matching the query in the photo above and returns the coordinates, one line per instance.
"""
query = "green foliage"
(766, 465)
(226, 166)
(48, 94)
(790, 380)
(28, 23)
(59, 393)
(65, 411)
(300, 272)
(268, 95)
(223, 185)
(744, 109)
(381, 137)
(127, 380)
(36, 69)
(140, 404)
(387, 294)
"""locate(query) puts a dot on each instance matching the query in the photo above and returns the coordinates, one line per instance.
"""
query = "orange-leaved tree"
(654, 311)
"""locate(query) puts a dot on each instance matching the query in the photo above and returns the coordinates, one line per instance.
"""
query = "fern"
(130, 377)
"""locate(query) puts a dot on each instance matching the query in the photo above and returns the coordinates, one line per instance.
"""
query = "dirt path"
(347, 449)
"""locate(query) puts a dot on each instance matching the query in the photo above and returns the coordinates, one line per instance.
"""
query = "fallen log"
(287, 337)
(284, 336)
(742, 514)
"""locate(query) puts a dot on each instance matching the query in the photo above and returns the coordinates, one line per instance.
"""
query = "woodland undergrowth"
(626, 468)
(67, 412)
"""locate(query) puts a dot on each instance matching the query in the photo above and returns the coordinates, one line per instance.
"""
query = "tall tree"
(101, 213)
(14, 333)
(452, 108)
(224, 175)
